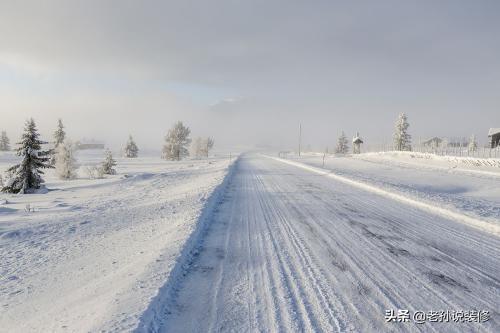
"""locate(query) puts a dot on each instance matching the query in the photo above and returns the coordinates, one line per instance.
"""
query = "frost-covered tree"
(176, 142)
(342, 144)
(59, 136)
(196, 148)
(444, 145)
(207, 145)
(201, 147)
(65, 160)
(4, 142)
(26, 176)
(472, 144)
(131, 149)
(402, 140)
(108, 164)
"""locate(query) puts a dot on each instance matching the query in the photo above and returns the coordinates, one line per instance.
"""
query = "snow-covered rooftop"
(357, 139)
(493, 131)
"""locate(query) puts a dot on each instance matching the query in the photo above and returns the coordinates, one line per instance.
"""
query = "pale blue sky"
(250, 71)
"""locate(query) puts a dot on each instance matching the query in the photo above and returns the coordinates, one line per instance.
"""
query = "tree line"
(26, 176)
(401, 138)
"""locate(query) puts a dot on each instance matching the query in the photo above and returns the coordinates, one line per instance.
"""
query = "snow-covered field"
(91, 254)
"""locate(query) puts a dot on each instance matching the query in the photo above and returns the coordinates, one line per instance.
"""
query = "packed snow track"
(291, 250)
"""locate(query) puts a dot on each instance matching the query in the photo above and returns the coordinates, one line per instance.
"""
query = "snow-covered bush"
(131, 150)
(94, 172)
(108, 164)
(402, 140)
(65, 161)
(26, 176)
(176, 142)
(342, 145)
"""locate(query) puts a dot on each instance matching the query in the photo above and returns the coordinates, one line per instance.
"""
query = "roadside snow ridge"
(473, 222)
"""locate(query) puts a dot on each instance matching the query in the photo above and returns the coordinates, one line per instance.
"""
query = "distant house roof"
(90, 141)
(432, 140)
(89, 144)
(493, 131)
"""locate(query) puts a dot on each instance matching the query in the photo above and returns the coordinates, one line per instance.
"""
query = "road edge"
(152, 318)
(464, 219)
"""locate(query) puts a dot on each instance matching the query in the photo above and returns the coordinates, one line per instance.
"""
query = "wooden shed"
(494, 135)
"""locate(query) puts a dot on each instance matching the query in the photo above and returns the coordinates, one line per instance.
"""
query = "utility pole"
(300, 136)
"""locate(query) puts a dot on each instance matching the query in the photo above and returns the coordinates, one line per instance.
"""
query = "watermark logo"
(442, 316)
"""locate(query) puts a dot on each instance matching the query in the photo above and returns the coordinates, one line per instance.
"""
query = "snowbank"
(467, 164)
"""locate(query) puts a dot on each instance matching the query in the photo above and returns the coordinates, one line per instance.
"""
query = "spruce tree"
(26, 176)
(176, 142)
(131, 149)
(108, 164)
(402, 140)
(59, 136)
(4, 142)
(342, 145)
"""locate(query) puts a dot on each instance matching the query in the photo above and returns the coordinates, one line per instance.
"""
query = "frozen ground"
(293, 250)
(93, 253)
(278, 245)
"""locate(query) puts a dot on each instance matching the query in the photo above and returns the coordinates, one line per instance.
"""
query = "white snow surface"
(292, 250)
(92, 254)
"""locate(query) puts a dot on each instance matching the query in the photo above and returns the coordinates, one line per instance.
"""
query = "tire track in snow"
(313, 274)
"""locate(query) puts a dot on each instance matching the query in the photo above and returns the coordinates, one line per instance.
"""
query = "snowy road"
(290, 250)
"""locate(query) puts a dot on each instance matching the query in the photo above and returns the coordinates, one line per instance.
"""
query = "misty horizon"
(250, 74)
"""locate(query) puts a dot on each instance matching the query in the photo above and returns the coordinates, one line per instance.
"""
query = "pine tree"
(4, 142)
(176, 143)
(342, 145)
(402, 140)
(65, 161)
(59, 136)
(108, 164)
(472, 144)
(26, 176)
(131, 149)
